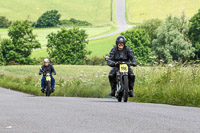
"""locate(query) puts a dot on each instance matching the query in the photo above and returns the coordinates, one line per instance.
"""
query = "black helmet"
(120, 39)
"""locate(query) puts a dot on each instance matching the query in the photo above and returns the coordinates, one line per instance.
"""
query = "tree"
(138, 40)
(22, 41)
(4, 22)
(68, 46)
(194, 33)
(49, 19)
(151, 27)
(2, 61)
(171, 43)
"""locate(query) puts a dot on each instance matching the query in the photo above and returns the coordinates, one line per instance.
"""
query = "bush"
(68, 46)
(2, 60)
(48, 19)
(194, 33)
(138, 40)
(74, 22)
(151, 27)
(4, 22)
(171, 43)
(18, 48)
(95, 61)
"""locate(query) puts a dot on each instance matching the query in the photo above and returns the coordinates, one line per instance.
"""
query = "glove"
(112, 63)
(40, 73)
(133, 64)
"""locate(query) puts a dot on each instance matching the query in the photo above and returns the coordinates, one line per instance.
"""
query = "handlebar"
(119, 62)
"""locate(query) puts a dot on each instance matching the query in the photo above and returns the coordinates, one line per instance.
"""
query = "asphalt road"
(22, 113)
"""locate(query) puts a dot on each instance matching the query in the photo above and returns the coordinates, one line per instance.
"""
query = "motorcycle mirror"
(106, 58)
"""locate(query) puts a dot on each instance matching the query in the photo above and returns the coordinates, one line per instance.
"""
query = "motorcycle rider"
(121, 52)
(47, 67)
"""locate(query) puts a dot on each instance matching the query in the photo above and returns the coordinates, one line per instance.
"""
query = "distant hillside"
(93, 11)
(139, 10)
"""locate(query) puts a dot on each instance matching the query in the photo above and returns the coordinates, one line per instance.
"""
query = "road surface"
(22, 113)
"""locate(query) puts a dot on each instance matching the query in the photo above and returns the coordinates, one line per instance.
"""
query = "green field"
(140, 10)
(43, 32)
(94, 11)
(166, 85)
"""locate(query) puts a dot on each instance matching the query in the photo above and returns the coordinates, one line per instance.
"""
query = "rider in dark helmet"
(121, 52)
(47, 67)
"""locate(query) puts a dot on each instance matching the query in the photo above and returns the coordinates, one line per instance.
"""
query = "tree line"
(48, 19)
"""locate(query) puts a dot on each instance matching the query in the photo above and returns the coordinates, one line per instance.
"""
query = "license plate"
(123, 68)
(48, 78)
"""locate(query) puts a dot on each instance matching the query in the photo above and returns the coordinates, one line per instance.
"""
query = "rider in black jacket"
(47, 67)
(121, 52)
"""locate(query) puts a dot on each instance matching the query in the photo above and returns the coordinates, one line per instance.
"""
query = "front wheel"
(48, 89)
(125, 93)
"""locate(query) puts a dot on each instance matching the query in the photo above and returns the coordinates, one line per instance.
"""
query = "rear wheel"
(125, 93)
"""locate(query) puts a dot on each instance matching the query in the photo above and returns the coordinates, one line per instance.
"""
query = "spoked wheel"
(48, 90)
(125, 93)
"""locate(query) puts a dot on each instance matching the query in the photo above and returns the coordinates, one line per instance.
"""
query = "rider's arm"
(111, 62)
(40, 72)
(53, 70)
(131, 56)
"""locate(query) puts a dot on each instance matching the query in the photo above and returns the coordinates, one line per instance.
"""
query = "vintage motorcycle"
(122, 86)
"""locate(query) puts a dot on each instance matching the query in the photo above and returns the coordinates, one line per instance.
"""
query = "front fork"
(120, 83)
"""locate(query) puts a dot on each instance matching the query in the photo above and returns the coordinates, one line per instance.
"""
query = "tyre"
(125, 93)
(48, 90)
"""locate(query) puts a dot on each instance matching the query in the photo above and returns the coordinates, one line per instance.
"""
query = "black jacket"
(121, 55)
(46, 69)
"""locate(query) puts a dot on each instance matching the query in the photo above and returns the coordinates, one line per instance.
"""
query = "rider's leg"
(131, 77)
(112, 79)
(52, 83)
(43, 83)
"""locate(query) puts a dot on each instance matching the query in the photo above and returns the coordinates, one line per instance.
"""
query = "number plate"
(48, 78)
(123, 68)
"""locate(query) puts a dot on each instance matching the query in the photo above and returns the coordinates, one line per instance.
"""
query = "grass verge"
(165, 85)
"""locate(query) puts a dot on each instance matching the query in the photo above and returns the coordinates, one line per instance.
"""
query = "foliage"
(74, 22)
(48, 19)
(95, 61)
(4, 22)
(68, 46)
(22, 41)
(151, 27)
(171, 43)
(138, 40)
(2, 61)
(194, 33)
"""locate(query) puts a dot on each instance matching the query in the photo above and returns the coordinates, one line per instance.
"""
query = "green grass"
(101, 47)
(140, 10)
(43, 32)
(94, 11)
(39, 53)
(166, 85)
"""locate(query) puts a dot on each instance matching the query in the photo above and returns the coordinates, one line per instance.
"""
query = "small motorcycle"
(122, 86)
(47, 88)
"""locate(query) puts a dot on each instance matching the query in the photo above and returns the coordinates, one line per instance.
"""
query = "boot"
(112, 93)
(131, 94)
(42, 90)
(52, 90)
